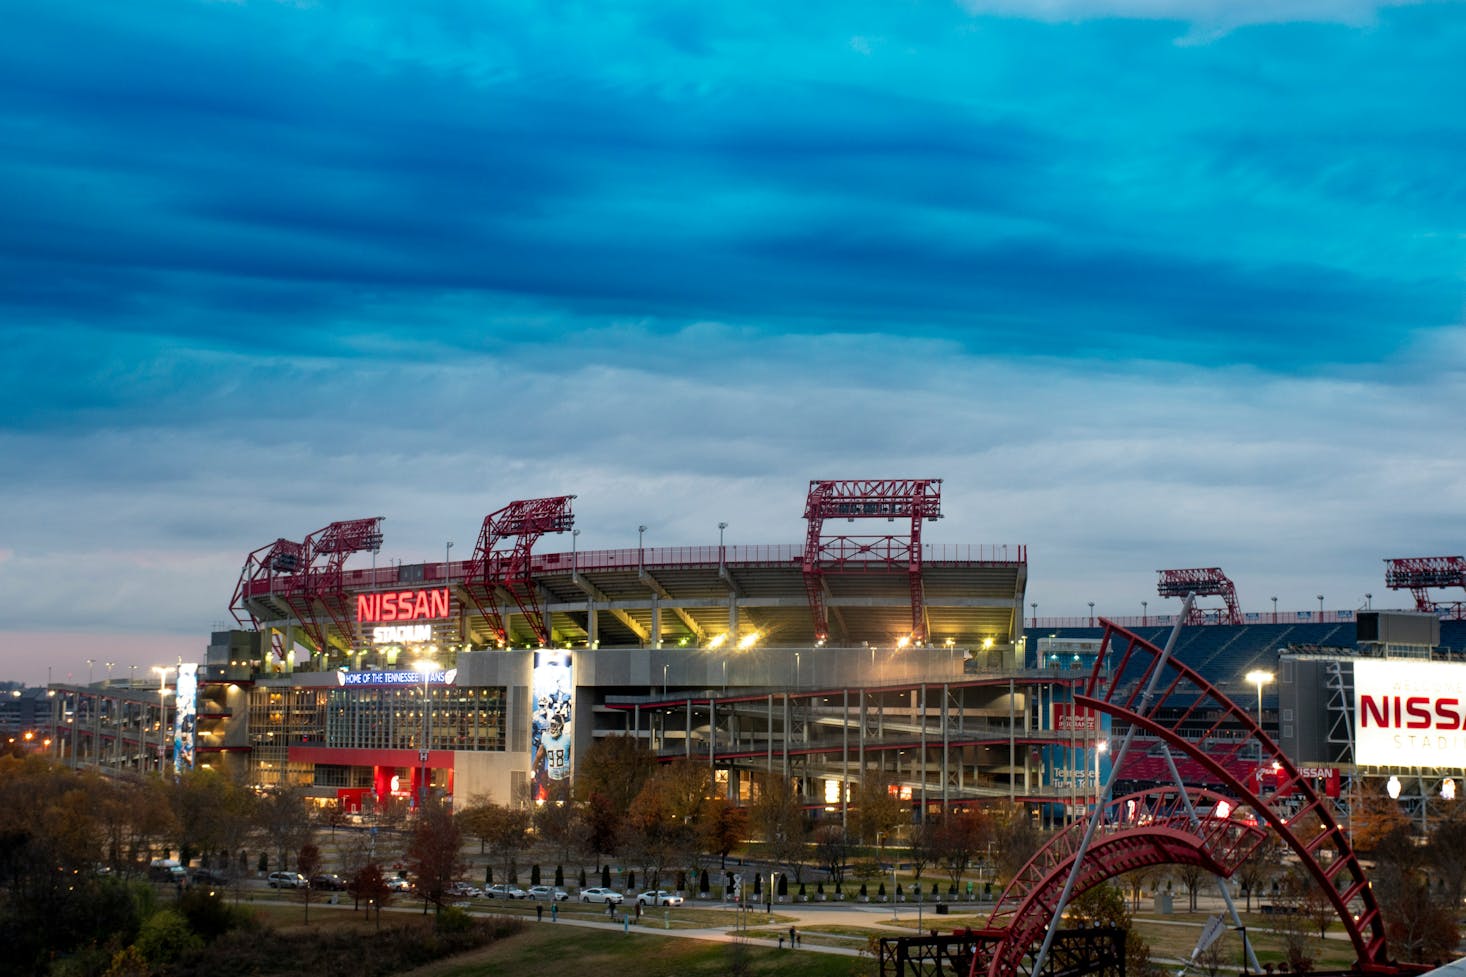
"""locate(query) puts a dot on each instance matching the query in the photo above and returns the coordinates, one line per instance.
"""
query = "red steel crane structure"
(311, 572)
(1418, 574)
(496, 567)
(1203, 582)
(916, 499)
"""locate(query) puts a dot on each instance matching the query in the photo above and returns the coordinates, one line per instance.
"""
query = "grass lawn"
(571, 949)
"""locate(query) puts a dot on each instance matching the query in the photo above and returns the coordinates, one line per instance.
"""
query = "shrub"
(165, 938)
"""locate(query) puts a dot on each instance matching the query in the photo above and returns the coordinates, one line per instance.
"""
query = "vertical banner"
(185, 718)
(550, 724)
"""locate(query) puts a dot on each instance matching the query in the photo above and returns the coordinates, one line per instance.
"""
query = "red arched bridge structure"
(1146, 692)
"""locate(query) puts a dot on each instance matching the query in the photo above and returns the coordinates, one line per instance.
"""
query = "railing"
(1167, 620)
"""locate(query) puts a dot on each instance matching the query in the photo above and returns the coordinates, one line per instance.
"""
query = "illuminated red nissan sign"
(402, 605)
(1409, 713)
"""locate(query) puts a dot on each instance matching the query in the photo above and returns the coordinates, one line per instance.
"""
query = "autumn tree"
(1447, 848)
(607, 779)
(370, 883)
(877, 811)
(722, 827)
(1017, 840)
(1258, 868)
(662, 824)
(777, 818)
(832, 851)
(959, 838)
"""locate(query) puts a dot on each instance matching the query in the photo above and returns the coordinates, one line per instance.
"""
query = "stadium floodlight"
(718, 641)
(748, 640)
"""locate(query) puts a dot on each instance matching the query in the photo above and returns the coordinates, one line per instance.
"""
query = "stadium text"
(402, 605)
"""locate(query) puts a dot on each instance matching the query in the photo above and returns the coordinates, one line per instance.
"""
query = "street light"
(1034, 605)
(447, 557)
(425, 667)
(163, 692)
(1259, 677)
(574, 565)
(1320, 608)
(1275, 610)
(1144, 618)
(640, 535)
(1091, 613)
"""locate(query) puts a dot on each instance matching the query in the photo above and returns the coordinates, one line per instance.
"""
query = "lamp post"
(424, 667)
(1034, 605)
(1099, 748)
(163, 690)
(574, 564)
(1144, 615)
(1091, 613)
(640, 535)
(1259, 677)
(447, 557)
(1275, 610)
(1320, 608)
(721, 526)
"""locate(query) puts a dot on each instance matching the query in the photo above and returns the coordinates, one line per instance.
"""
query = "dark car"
(209, 876)
(328, 882)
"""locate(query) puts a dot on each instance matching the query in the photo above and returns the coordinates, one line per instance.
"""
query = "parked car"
(597, 894)
(287, 880)
(548, 892)
(209, 876)
(328, 882)
(462, 890)
(398, 884)
(505, 890)
(659, 897)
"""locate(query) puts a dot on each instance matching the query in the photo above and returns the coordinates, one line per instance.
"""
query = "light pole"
(1091, 613)
(1275, 610)
(447, 557)
(1369, 602)
(1259, 677)
(163, 690)
(1320, 608)
(574, 564)
(640, 535)
(1034, 605)
(1144, 616)
(1099, 748)
(424, 667)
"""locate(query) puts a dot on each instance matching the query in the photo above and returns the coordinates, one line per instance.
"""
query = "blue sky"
(1150, 283)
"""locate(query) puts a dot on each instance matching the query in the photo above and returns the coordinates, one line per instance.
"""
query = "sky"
(1148, 283)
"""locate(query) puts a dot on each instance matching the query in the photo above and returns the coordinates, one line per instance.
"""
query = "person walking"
(793, 937)
(539, 912)
(554, 912)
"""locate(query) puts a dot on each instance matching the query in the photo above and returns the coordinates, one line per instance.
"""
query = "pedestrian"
(539, 912)
(793, 937)
(554, 912)
(610, 909)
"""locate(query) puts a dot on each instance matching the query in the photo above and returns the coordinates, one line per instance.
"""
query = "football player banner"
(550, 722)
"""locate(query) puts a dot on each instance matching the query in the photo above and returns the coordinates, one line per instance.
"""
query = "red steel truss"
(1204, 582)
(495, 567)
(916, 499)
(309, 575)
(1151, 827)
(1157, 830)
(1418, 574)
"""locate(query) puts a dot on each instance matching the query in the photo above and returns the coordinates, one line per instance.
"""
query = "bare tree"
(308, 863)
(434, 853)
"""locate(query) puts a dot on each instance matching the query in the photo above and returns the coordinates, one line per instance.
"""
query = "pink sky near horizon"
(26, 656)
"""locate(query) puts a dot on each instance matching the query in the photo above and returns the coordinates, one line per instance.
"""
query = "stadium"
(867, 654)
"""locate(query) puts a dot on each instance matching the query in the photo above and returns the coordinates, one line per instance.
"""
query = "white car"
(548, 892)
(659, 897)
(287, 880)
(461, 890)
(397, 884)
(505, 891)
(598, 894)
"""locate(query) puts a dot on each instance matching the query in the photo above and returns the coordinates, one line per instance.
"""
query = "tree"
(370, 883)
(1017, 840)
(1258, 868)
(282, 817)
(607, 779)
(922, 850)
(661, 827)
(308, 863)
(722, 827)
(777, 818)
(1447, 849)
(433, 854)
(877, 811)
(832, 851)
(959, 838)
(1192, 878)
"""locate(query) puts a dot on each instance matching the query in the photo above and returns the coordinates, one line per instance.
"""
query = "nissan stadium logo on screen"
(1409, 713)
